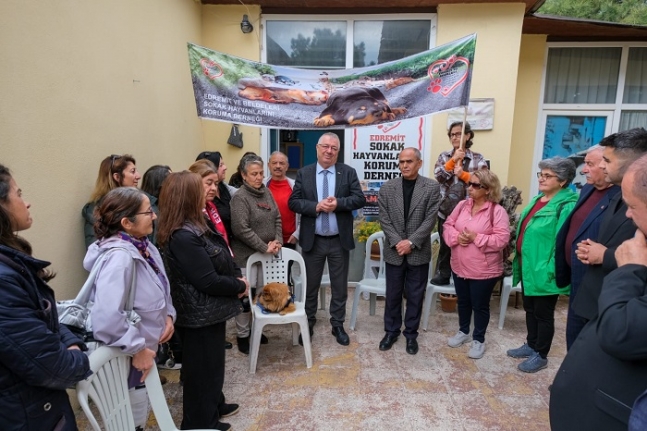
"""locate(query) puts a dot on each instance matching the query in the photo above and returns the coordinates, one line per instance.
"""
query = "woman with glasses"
(114, 171)
(477, 231)
(224, 192)
(534, 261)
(452, 171)
(124, 218)
(256, 223)
(206, 286)
(39, 358)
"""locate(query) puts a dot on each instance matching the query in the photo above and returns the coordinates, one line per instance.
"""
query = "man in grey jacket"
(408, 208)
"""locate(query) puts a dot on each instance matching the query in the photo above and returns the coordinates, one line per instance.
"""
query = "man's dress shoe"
(388, 341)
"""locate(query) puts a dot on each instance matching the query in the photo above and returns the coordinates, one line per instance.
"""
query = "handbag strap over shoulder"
(83, 296)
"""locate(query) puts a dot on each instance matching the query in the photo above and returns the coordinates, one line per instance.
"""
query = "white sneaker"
(458, 340)
(366, 296)
(477, 350)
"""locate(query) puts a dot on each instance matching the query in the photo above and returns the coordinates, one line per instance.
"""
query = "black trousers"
(203, 371)
(411, 281)
(443, 266)
(327, 248)
(474, 296)
(540, 322)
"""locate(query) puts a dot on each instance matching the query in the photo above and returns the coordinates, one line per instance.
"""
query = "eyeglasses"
(112, 160)
(545, 176)
(329, 147)
(476, 185)
(455, 135)
(149, 213)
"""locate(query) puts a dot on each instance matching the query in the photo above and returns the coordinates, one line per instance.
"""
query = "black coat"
(35, 364)
(203, 277)
(615, 229)
(606, 368)
(304, 201)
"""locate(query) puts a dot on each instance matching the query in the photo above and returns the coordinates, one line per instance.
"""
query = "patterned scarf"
(211, 211)
(141, 245)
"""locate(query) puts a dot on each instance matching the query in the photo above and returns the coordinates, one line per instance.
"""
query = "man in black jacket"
(325, 194)
(620, 150)
(606, 369)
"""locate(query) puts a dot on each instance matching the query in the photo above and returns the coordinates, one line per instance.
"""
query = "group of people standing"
(206, 230)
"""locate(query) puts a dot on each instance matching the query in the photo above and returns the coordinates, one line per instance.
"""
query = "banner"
(375, 152)
(232, 89)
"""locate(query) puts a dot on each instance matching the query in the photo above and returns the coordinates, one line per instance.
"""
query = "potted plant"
(364, 229)
(448, 302)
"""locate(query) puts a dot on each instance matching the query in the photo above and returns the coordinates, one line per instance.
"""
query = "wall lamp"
(246, 26)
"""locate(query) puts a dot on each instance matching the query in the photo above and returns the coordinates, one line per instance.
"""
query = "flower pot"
(375, 250)
(448, 302)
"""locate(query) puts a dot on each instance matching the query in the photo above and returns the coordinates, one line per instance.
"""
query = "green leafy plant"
(364, 229)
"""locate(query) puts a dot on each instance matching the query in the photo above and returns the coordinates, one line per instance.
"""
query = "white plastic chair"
(434, 289)
(369, 283)
(276, 270)
(506, 290)
(325, 282)
(107, 387)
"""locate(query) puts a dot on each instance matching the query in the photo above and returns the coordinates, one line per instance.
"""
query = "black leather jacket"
(203, 277)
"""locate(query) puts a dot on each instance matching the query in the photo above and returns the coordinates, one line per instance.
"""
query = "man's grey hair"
(562, 167)
(416, 151)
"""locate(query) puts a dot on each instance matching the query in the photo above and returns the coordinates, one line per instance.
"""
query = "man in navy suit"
(620, 150)
(582, 224)
(325, 194)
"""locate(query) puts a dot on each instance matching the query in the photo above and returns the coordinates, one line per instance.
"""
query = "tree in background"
(633, 12)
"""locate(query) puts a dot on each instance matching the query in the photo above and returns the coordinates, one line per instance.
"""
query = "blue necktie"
(325, 221)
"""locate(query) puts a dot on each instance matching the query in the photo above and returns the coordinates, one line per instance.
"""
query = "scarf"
(212, 212)
(141, 245)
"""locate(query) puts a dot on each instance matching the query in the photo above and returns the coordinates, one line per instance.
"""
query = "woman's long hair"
(114, 164)
(153, 179)
(181, 201)
(8, 237)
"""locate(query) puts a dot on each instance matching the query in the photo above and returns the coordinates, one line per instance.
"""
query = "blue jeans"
(474, 297)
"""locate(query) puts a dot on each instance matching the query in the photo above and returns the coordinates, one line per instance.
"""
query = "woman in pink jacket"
(477, 232)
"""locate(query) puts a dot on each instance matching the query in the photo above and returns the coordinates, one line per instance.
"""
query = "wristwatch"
(410, 244)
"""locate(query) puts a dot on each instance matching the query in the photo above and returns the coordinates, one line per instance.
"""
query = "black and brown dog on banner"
(357, 106)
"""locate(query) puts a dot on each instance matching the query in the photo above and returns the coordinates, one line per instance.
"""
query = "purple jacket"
(483, 258)
(152, 296)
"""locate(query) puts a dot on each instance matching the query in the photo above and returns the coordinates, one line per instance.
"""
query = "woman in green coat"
(534, 262)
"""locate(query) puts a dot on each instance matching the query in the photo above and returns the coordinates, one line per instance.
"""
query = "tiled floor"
(361, 388)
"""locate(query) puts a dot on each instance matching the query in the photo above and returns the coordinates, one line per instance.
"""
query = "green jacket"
(537, 268)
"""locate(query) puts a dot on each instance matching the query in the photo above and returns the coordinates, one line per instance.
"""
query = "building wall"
(81, 81)
(498, 28)
(526, 113)
(221, 32)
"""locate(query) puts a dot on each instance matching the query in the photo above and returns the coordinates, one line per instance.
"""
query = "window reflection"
(377, 42)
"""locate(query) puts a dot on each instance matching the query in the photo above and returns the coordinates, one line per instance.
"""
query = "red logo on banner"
(210, 68)
(446, 75)
(387, 128)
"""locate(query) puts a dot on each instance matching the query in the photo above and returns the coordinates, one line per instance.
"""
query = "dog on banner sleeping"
(276, 298)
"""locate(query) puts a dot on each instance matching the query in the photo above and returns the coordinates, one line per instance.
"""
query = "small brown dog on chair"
(276, 298)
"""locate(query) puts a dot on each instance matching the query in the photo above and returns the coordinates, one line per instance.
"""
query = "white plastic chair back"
(276, 270)
(107, 387)
(506, 290)
(434, 289)
(369, 283)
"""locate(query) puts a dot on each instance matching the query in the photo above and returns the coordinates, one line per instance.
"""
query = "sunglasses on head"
(112, 160)
(476, 185)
